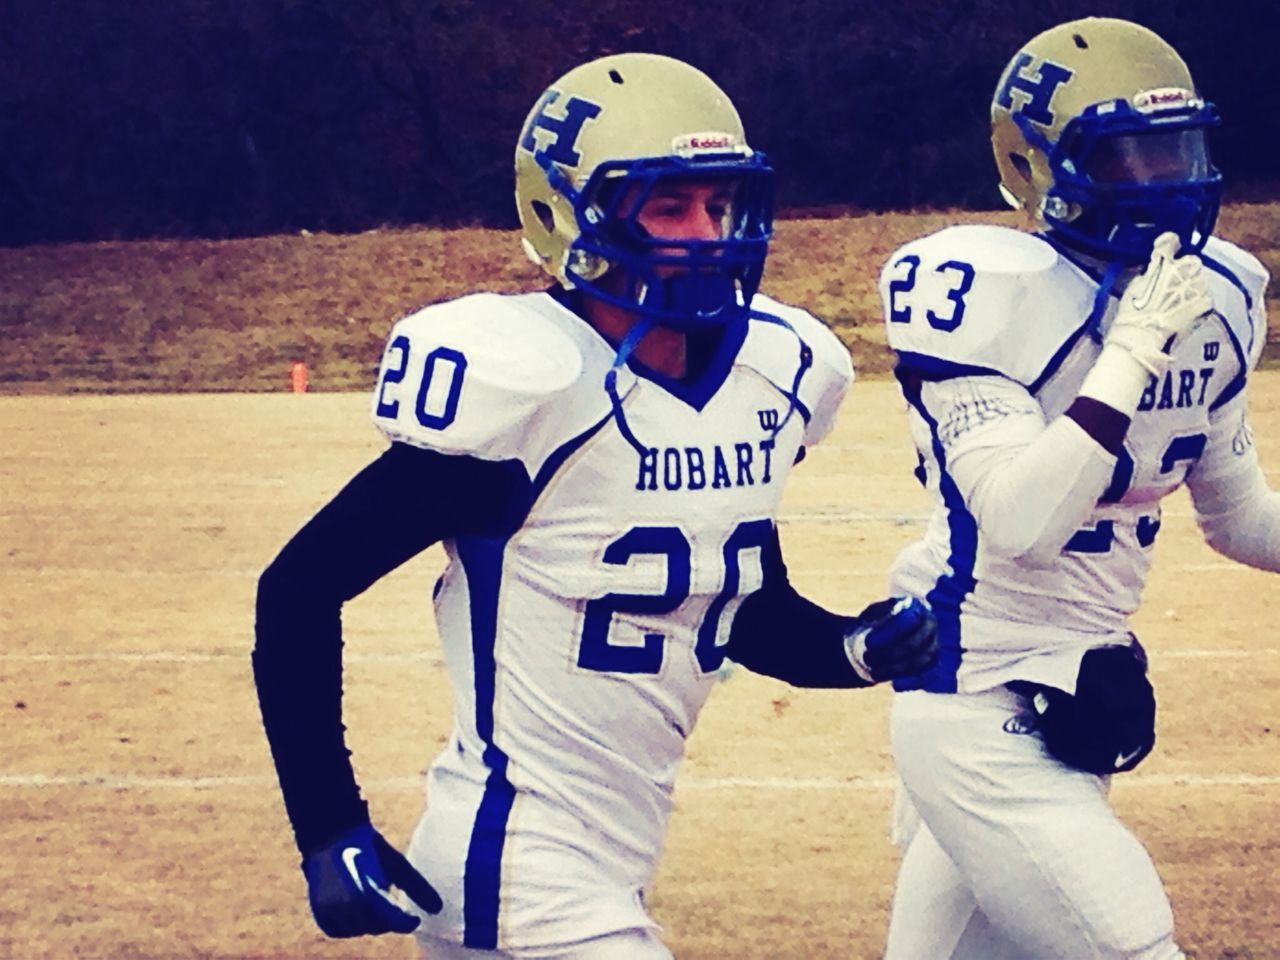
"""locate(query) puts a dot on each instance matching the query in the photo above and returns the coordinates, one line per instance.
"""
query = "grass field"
(180, 316)
(140, 812)
(138, 808)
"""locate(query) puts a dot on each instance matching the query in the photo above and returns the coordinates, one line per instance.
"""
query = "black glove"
(893, 638)
(348, 881)
(1109, 725)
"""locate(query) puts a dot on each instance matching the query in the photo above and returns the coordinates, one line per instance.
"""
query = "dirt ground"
(138, 809)
(177, 316)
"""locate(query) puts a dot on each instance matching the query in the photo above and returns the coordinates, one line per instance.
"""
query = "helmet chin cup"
(692, 302)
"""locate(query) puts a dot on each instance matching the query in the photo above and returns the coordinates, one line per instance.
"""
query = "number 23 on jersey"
(942, 299)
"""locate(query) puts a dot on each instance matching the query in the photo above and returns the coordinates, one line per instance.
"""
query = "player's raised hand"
(894, 638)
(1162, 302)
(348, 885)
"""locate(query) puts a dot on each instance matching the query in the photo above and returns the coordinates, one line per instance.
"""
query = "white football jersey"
(993, 326)
(581, 648)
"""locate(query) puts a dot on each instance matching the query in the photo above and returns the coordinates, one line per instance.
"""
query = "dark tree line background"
(242, 117)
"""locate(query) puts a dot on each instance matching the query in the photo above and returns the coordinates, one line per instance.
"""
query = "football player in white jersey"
(1060, 384)
(603, 462)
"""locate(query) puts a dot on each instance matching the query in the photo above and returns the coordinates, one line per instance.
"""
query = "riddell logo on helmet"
(1164, 98)
(706, 141)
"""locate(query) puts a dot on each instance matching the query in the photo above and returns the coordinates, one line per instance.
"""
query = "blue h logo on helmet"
(1038, 88)
(564, 130)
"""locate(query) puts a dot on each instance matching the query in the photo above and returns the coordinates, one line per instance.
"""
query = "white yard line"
(173, 656)
(901, 519)
(429, 657)
(689, 783)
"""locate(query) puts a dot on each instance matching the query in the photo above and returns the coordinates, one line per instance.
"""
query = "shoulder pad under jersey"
(774, 350)
(473, 376)
(983, 299)
(1244, 308)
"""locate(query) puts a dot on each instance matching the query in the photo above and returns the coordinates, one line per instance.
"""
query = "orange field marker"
(298, 377)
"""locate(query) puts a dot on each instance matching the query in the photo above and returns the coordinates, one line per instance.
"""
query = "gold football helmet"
(1099, 134)
(591, 151)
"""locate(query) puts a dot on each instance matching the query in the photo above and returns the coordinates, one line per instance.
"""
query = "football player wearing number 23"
(603, 462)
(1060, 384)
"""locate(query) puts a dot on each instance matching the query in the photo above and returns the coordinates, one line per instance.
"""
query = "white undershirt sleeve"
(1236, 510)
(1030, 485)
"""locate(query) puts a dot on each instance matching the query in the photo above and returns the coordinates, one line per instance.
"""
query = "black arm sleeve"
(780, 634)
(396, 507)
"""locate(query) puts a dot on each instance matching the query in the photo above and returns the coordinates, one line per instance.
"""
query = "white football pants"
(1009, 854)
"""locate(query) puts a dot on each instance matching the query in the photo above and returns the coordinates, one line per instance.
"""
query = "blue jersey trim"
(1060, 357)
(1237, 382)
(935, 369)
(806, 361)
(481, 559)
(1222, 269)
(699, 391)
(1106, 281)
(1077, 260)
(1217, 266)
(948, 594)
(556, 460)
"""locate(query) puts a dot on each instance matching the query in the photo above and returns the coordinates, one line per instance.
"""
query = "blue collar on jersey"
(704, 386)
(698, 390)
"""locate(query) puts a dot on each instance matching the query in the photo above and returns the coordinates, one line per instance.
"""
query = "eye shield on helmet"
(1124, 174)
(1157, 156)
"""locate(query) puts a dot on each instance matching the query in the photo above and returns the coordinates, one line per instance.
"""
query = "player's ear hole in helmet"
(1099, 134)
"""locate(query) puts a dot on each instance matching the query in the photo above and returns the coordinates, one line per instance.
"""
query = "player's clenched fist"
(897, 637)
(348, 883)
(1160, 304)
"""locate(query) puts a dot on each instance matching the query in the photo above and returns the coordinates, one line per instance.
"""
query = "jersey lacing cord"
(625, 349)
(1094, 324)
(643, 326)
(1106, 284)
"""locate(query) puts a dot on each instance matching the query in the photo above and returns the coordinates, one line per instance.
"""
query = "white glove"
(1157, 307)
(1161, 304)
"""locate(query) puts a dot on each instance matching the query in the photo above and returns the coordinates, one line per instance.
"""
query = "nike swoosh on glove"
(894, 638)
(348, 885)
